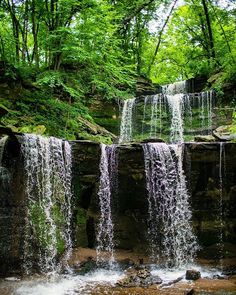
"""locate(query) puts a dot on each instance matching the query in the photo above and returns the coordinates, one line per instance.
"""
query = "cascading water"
(4, 174)
(174, 111)
(174, 94)
(48, 189)
(220, 223)
(174, 88)
(126, 121)
(176, 105)
(105, 244)
(171, 238)
(156, 115)
(2, 147)
(144, 112)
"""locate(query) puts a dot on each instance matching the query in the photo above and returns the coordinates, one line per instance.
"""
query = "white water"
(144, 112)
(176, 129)
(171, 238)
(48, 188)
(156, 115)
(220, 219)
(181, 106)
(105, 244)
(126, 127)
(174, 88)
(4, 173)
(204, 100)
(2, 146)
(89, 283)
(68, 284)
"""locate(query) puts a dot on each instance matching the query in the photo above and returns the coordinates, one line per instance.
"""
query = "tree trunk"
(210, 34)
(159, 38)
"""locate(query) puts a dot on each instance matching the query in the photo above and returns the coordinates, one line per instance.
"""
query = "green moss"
(60, 243)
(96, 138)
(41, 227)
(81, 216)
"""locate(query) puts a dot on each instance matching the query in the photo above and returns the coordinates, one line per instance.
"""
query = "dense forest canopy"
(76, 50)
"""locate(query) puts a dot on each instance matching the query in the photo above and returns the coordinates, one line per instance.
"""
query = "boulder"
(138, 277)
(94, 128)
(192, 274)
(204, 138)
(223, 133)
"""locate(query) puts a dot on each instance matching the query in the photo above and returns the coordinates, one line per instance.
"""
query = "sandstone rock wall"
(202, 167)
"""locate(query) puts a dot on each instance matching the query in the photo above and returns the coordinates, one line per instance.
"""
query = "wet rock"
(126, 262)
(85, 266)
(192, 274)
(146, 87)
(220, 277)
(190, 292)
(223, 133)
(156, 280)
(138, 277)
(12, 279)
(204, 138)
(152, 140)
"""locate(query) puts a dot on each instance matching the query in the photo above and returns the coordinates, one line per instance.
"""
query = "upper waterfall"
(172, 115)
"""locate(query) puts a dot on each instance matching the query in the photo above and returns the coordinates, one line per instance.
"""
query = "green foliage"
(73, 51)
(184, 51)
(233, 126)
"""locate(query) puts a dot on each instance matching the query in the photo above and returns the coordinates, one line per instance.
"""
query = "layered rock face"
(210, 169)
(12, 206)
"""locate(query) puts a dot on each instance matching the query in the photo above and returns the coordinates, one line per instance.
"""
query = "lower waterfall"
(171, 238)
(105, 234)
(48, 189)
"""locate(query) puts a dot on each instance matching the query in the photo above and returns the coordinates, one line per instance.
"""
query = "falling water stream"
(48, 176)
(126, 126)
(4, 174)
(2, 147)
(219, 220)
(171, 238)
(105, 235)
(48, 189)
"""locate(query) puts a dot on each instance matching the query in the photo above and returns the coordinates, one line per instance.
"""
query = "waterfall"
(126, 127)
(144, 112)
(171, 238)
(4, 173)
(174, 109)
(48, 189)
(176, 105)
(174, 94)
(204, 100)
(2, 147)
(174, 88)
(105, 244)
(156, 115)
(220, 219)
